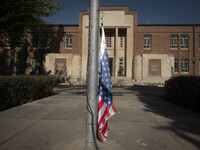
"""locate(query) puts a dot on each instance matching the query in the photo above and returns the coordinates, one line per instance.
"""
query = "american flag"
(106, 107)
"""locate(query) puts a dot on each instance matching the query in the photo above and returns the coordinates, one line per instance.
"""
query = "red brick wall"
(60, 32)
(161, 42)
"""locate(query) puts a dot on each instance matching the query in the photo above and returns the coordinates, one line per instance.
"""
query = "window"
(199, 41)
(68, 41)
(34, 42)
(184, 65)
(121, 41)
(175, 64)
(121, 63)
(108, 40)
(174, 41)
(184, 41)
(147, 41)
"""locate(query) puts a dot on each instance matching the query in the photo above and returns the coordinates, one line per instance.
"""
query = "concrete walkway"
(144, 122)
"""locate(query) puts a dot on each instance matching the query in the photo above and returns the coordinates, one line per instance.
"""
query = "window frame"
(147, 41)
(184, 66)
(184, 41)
(174, 41)
(176, 63)
(199, 41)
(68, 41)
(108, 40)
(121, 42)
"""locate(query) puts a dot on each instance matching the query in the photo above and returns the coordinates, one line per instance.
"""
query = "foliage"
(184, 91)
(21, 16)
(16, 90)
(120, 72)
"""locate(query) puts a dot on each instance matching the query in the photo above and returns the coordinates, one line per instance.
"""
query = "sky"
(149, 11)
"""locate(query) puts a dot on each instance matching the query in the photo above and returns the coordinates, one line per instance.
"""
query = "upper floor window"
(199, 41)
(174, 41)
(184, 41)
(147, 41)
(109, 40)
(68, 41)
(184, 65)
(175, 64)
(121, 41)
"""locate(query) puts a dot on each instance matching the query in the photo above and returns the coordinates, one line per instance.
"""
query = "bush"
(17, 90)
(184, 91)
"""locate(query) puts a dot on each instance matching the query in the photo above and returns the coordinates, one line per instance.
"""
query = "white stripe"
(101, 111)
(111, 111)
(102, 49)
(103, 123)
(106, 133)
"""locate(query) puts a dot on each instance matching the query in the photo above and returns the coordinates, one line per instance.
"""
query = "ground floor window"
(175, 64)
(184, 65)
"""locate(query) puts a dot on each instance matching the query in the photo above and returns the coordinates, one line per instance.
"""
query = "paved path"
(144, 122)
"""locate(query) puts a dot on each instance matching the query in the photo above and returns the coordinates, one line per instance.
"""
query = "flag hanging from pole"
(106, 107)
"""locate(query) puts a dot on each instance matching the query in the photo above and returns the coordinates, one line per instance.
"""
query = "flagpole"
(91, 111)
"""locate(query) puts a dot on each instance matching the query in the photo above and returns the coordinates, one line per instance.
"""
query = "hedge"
(184, 91)
(17, 90)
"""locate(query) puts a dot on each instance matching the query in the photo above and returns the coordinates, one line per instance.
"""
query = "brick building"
(148, 53)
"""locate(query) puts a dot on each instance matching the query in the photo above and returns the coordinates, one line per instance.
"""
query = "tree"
(20, 17)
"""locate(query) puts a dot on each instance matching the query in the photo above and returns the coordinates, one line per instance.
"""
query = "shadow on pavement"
(181, 122)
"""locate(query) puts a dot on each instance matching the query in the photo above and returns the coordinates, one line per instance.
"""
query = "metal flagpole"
(91, 114)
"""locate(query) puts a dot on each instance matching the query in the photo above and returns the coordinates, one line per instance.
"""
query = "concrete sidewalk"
(144, 122)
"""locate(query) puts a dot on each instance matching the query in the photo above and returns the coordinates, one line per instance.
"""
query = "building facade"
(147, 53)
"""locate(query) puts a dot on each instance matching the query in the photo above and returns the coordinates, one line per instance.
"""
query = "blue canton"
(105, 83)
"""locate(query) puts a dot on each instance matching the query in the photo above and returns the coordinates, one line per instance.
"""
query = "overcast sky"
(149, 11)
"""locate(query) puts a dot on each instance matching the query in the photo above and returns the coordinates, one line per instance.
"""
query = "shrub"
(17, 90)
(184, 91)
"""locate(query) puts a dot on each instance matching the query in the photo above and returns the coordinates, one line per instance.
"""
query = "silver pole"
(91, 112)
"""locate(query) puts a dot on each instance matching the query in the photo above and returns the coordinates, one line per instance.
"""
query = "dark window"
(147, 41)
(68, 41)
(174, 41)
(184, 65)
(184, 41)
(108, 40)
(176, 65)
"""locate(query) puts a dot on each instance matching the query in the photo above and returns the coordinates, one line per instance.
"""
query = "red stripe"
(103, 116)
(105, 128)
(108, 114)
(100, 137)
(100, 104)
(113, 107)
